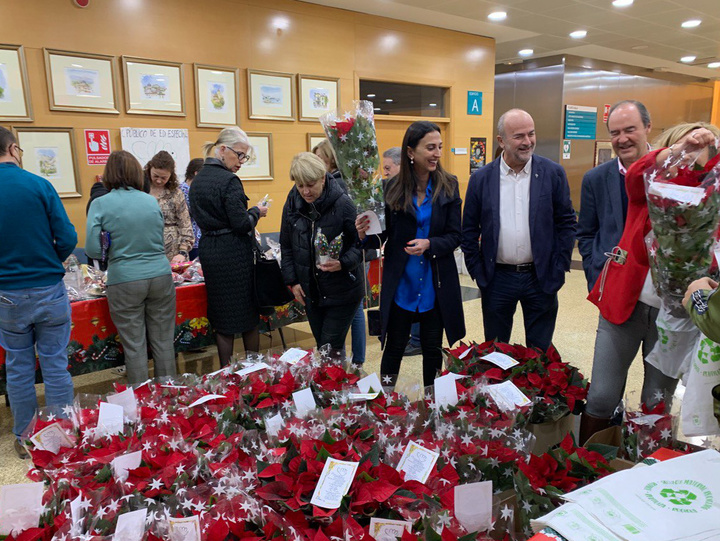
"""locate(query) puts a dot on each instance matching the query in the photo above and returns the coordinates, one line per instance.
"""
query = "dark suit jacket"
(602, 219)
(552, 223)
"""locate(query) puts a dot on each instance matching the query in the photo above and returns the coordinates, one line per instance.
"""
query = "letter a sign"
(474, 103)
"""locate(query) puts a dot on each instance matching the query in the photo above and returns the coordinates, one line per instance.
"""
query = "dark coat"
(334, 213)
(552, 223)
(219, 205)
(401, 228)
(602, 219)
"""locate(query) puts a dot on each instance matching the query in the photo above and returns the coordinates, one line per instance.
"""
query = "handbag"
(270, 288)
(374, 317)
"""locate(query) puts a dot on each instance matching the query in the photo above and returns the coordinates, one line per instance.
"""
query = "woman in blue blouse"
(420, 279)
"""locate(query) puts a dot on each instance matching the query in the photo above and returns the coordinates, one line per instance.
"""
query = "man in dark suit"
(519, 207)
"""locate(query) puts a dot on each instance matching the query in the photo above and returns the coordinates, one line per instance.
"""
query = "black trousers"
(330, 324)
(398, 331)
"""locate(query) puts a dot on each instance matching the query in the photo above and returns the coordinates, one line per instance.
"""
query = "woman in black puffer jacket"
(331, 291)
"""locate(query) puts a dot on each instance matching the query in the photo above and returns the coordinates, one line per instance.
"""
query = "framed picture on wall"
(15, 103)
(216, 96)
(271, 95)
(603, 152)
(50, 154)
(81, 82)
(260, 165)
(313, 139)
(153, 87)
(318, 95)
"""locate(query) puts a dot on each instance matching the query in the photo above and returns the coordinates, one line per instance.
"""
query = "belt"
(217, 232)
(523, 267)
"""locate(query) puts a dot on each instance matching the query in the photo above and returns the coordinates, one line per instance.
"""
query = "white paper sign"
(370, 384)
(573, 522)
(446, 391)
(334, 483)
(130, 526)
(385, 529)
(375, 227)
(363, 396)
(417, 462)
(20, 507)
(274, 424)
(127, 400)
(473, 506)
(293, 355)
(507, 396)
(51, 438)
(144, 143)
(207, 398)
(465, 353)
(124, 463)
(690, 195)
(252, 368)
(500, 359)
(304, 402)
(77, 512)
(185, 529)
(110, 419)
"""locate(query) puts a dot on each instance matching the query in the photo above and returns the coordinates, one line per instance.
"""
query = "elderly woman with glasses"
(220, 207)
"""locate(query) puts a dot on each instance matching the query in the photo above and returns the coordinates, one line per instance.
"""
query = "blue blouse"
(415, 291)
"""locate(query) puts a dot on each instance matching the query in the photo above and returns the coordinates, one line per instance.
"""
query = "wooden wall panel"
(277, 35)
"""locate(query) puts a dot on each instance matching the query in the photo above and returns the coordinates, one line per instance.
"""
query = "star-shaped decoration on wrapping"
(506, 513)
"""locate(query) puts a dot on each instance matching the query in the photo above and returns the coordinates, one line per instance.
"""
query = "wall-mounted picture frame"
(15, 102)
(153, 87)
(260, 164)
(317, 96)
(313, 139)
(271, 95)
(603, 152)
(50, 154)
(217, 91)
(82, 82)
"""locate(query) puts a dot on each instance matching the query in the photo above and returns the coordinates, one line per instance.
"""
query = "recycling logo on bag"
(680, 495)
(708, 352)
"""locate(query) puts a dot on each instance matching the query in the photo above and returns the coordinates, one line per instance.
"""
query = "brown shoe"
(590, 424)
(20, 450)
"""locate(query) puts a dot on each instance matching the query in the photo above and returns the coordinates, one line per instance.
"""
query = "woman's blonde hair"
(677, 132)
(326, 152)
(306, 168)
(229, 137)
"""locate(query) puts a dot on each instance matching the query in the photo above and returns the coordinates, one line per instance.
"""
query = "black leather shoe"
(411, 350)
(21, 451)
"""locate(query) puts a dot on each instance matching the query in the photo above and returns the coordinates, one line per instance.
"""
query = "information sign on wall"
(580, 122)
(474, 104)
(144, 143)
(97, 146)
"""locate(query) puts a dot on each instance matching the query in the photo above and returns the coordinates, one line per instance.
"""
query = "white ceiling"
(647, 34)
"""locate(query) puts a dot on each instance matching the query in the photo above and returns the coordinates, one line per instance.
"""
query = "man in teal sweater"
(37, 237)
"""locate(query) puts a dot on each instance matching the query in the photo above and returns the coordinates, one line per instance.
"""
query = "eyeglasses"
(242, 157)
(18, 147)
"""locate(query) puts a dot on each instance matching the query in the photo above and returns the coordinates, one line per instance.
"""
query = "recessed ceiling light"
(688, 59)
(497, 16)
(371, 95)
(433, 104)
(525, 52)
(713, 65)
(622, 3)
(692, 23)
(389, 100)
(578, 34)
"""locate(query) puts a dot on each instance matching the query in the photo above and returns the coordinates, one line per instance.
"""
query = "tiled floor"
(574, 339)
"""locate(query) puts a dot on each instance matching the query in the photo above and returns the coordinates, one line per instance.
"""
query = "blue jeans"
(357, 335)
(37, 317)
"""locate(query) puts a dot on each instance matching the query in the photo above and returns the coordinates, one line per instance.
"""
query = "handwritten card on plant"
(507, 396)
(185, 528)
(417, 462)
(385, 529)
(500, 359)
(52, 438)
(334, 483)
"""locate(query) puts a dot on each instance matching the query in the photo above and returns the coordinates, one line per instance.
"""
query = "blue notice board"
(474, 104)
(580, 122)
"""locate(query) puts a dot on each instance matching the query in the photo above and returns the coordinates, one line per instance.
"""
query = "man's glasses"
(242, 157)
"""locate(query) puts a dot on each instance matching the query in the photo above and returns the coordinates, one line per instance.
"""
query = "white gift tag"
(252, 368)
(500, 359)
(110, 419)
(130, 526)
(77, 512)
(417, 462)
(51, 438)
(304, 402)
(274, 424)
(127, 400)
(375, 227)
(473, 506)
(122, 464)
(465, 353)
(385, 529)
(370, 384)
(293, 355)
(185, 528)
(363, 396)
(204, 399)
(507, 396)
(20, 507)
(445, 390)
(334, 483)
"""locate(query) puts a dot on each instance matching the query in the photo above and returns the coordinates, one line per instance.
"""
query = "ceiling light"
(713, 65)
(433, 104)
(371, 95)
(578, 34)
(281, 23)
(687, 59)
(525, 52)
(692, 23)
(377, 108)
(622, 3)
(389, 100)
(497, 16)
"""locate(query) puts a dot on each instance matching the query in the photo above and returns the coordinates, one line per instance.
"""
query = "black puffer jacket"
(334, 213)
